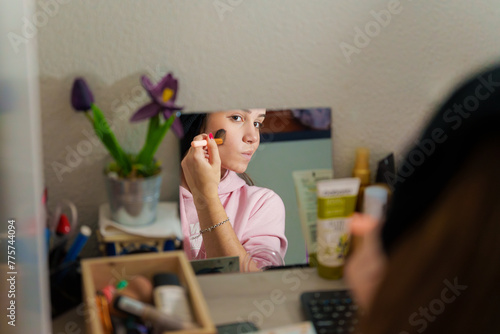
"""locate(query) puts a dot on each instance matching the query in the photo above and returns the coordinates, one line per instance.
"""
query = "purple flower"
(163, 95)
(81, 96)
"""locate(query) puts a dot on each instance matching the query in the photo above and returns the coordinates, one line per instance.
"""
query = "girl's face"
(242, 136)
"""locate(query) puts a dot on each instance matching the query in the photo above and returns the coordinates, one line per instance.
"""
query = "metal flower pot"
(133, 202)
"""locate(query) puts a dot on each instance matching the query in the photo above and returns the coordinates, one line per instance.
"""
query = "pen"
(62, 232)
(78, 244)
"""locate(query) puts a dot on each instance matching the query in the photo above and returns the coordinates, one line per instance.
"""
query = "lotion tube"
(336, 204)
(305, 189)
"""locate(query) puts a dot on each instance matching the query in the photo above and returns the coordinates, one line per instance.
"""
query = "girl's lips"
(247, 155)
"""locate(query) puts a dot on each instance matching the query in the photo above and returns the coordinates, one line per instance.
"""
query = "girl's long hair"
(444, 275)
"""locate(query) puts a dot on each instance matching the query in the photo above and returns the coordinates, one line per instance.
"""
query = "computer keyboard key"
(330, 311)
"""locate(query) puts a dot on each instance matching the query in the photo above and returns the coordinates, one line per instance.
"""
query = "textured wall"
(259, 53)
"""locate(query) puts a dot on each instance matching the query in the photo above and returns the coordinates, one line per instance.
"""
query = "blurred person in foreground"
(433, 265)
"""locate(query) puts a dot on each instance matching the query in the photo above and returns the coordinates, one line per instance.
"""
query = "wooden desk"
(268, 299)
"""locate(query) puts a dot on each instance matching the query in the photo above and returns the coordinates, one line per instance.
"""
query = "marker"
(160, 320)
(78, 244)
(63, 227)
(198, 143)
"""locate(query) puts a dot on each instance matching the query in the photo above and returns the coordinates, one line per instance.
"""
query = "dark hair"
(442, 232)
(441, 150)
(193, 125)
(443, 277)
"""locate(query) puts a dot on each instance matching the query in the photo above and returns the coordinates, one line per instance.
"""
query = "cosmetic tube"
(375, 203)
(336, 203)
(159, 320)
(362, 171)
(170, 297)
(305, 189)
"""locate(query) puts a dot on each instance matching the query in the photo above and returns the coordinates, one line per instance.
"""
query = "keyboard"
(332, 311)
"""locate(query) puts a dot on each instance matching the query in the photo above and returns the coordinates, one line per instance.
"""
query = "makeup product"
(160, 320)
(375, 203)
(336, 203)
(139, 288)
(305, 190)
(362, 171)
(170, 297)
(200, 143)
(221, 133)
(78, 244)
(219, 137)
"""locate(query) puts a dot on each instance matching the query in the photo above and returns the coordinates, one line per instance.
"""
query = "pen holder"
(65, 287)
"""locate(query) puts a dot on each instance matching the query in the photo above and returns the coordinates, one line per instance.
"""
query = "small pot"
(133, 202)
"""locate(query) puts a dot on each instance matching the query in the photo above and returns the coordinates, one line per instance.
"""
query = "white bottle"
(170, 297)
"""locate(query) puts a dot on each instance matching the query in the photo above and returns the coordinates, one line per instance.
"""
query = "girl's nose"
(251, 134)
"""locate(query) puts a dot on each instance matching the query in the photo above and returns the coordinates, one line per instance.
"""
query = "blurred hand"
(364, 269)
(202, 170)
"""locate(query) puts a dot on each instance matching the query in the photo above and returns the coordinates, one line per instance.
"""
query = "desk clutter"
(66, 238)
(146, 292)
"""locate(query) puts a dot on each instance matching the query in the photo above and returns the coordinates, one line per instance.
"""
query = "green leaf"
(104, 132)
(156, 133)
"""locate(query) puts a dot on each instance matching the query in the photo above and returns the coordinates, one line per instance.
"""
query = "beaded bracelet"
(209, 229)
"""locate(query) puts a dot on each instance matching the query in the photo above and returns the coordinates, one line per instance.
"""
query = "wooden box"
(99, 272)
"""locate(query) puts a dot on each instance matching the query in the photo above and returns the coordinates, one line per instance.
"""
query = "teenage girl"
(222, 213)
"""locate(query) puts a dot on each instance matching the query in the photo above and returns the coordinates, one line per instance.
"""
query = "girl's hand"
(365, 268)
(202, 170)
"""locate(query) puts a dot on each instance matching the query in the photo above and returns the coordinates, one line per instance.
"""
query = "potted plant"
(133, 180)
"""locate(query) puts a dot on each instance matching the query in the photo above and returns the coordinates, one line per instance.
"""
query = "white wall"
(259, 53)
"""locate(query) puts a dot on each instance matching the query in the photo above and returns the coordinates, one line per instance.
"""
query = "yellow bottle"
(362, 171)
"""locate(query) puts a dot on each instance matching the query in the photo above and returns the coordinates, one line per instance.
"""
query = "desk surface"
(268, 299)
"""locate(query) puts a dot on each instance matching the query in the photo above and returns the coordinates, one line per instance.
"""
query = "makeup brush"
(219, 139)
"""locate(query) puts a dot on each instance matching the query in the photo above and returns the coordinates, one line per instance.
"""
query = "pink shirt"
(256, 214)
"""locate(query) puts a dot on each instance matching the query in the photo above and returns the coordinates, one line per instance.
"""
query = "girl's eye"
(237, 118)
(258, 125)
